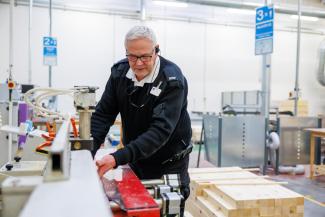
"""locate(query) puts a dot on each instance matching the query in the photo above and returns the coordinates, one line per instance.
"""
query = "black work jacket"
(155, 128)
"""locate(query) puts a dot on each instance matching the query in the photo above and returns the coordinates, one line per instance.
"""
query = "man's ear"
(157, 49)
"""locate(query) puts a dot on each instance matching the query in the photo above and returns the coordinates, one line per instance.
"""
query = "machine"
(5, 116)
(84, 102)
(129, 196)
(13, 112)
(238, 137)
(234, 140)
(67, 184)
(295, 141)
(24, 144)
(64, 182)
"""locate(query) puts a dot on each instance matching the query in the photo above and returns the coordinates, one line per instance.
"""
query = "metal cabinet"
(235, 140)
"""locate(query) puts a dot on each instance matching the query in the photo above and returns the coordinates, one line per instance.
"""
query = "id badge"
(155, 90)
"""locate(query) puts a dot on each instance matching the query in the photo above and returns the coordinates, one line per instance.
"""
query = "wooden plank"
(267, 211)
(288, 105)
(209, 208)
(252, 196)
(258, 192)
(188, 214)
(300, 209)
(226, 197)
(277, 210)
(194, 209)
(226, 208)
(319, 170)
(247, 182)
(197, 188)
(214, 170)
(223, 176)
(198, 210)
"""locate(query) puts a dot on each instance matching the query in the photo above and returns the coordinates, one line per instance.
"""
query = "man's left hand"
(105, 164)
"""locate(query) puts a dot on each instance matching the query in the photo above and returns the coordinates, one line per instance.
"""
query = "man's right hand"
(105, 164)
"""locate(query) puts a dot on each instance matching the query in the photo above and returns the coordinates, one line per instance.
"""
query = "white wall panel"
(122, 26)
(311, 89)
(4, 42)
(231, 63)
(284, 69)
(85, 49)
(185, 47)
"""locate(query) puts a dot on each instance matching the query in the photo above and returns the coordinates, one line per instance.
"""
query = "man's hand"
(105, 164)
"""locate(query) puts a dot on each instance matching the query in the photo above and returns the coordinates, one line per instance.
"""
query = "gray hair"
(138, 32)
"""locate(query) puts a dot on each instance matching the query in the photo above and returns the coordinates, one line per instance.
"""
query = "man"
(150, 93)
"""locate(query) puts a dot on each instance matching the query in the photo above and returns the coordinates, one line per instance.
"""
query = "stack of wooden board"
(288, 105)
(319, 170)
(234, 192)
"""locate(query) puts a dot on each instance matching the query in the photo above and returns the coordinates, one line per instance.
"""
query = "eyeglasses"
(130, 92)
(143, 58)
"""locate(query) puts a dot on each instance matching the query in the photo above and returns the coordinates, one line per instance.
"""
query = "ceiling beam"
(251, 6)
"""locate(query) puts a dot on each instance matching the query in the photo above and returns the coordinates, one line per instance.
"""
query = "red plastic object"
(136, 200)
(75, 130)
(11, 84)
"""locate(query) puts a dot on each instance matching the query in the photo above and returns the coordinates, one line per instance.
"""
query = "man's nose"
(139, 62)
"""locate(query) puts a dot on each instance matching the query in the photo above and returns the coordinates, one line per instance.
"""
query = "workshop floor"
(312, 190)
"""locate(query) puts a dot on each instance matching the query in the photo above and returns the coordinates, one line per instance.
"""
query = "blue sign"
(264, 30)
(49, 51)
(264, 14)
(49, 41)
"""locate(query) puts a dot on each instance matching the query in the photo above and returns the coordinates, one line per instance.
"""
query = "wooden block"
(292, 210)
(223, 176)
(277, 202)
(258, 181)
(269, 195)
(227, 198)
(300, 200)
(266, 202)
(188, 214)
(255, 211)
(197, 187)
(300, 209)
(214, 170)
(250, 204)
(226, 208)
(208, 208)
(245, 212)
(194, 210)
(288, 105)
(267, 211)
(277, 211)
(285, 211)
(248, 212)
(319, 170)
(289, 202)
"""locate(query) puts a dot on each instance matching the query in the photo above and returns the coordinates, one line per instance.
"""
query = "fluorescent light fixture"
(171, 4)
(241, 11)
(307, 18)
(255, 4)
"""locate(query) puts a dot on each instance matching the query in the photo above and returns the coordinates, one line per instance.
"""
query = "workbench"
(315, 133)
